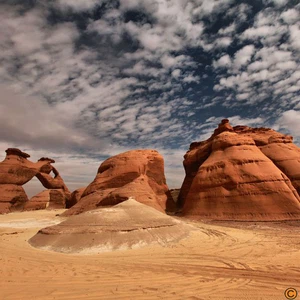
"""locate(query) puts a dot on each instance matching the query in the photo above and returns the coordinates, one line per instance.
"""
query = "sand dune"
(214, 262)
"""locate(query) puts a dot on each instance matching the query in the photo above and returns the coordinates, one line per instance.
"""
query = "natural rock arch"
(16, 170)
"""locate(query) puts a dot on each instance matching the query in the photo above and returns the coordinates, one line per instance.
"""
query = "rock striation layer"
(127, 225)
(242, 173)
(137, 173)
(16, 170)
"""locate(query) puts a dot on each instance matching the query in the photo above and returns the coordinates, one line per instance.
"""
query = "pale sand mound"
(127, 225)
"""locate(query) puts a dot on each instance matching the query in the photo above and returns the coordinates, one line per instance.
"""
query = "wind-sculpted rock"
(136, 173)
(16, 170)
(48, 199)
(75, 197)
(12, 198)
(57, 194)
(242, 173)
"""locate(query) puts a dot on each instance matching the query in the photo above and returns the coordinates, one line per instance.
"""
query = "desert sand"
(216, 261)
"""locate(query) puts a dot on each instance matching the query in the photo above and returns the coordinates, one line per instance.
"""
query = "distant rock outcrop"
(16, 170)
(242, 173)
(48, 199)
(75, 197)
(125, 226)
(136, 173)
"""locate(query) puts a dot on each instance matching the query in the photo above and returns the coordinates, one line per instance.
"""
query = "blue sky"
(83, 80)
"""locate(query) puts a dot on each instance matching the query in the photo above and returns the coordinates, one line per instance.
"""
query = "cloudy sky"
(82, 80)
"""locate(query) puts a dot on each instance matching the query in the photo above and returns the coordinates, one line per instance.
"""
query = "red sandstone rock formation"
(48, 199)
(242, 173)
(137, 173)
(57, 196)
(75, 197)
(50, 182)
(16, 170)
(12, 198)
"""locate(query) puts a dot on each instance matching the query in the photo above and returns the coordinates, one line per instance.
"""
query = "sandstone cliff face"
(137, 173)
(16, 170)
(12, 198)
(242, 173)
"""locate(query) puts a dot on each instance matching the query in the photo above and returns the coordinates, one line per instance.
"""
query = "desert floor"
(217, 261)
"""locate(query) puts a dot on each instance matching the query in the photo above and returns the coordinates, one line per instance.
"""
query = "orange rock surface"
(75, 197)
(242, 173)
(136, 173)
(16, 170)
(12, 198)
(48, 199)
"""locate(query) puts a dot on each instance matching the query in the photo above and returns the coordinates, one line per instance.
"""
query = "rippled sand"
(217, 261)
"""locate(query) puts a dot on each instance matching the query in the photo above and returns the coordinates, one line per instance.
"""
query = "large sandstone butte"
(242, 173)
(16, 170)
(129, 224)
(137, 173)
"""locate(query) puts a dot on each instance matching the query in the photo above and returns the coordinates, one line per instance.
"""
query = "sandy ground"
(218, 261)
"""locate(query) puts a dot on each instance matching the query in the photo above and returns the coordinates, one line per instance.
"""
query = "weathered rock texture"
(16, 170)
(127, 225)
(136, 173)
(51, 199)
(12, 198)
(242, 173)
(75, 197)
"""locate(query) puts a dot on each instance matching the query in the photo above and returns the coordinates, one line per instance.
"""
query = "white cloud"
(288, 65)
(190, 78)
(29, 121)
(224, 61)
(239, 12)
(78, 5)
(262, 31)
(243, 56)
(207, 7)
(223, 42)
(278, 2)
(294, 36)
(176, 73)
(268, 67)
(290, 16)
(228, 30)
(290, 120)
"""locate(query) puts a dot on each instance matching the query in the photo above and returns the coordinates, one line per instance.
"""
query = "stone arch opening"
(33, 187)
